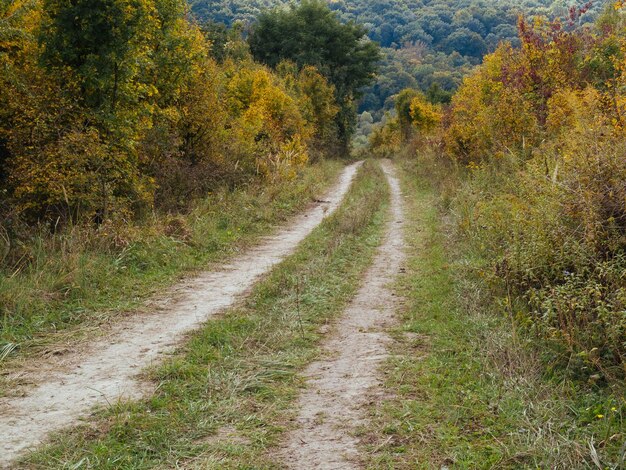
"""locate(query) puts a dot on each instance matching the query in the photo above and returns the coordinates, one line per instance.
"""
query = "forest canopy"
(311, 34)
(429, 45)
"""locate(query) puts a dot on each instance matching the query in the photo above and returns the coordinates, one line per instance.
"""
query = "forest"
(106, 127)
(428, 45)
(368, 234)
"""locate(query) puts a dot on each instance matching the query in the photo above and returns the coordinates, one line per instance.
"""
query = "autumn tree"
(316, 99)
(403, 110)
(271, 132)
(124, 71)
(311, 34)
(424, 115)
(111, 107)
(385, 141)
(17, 20)
(541, 130)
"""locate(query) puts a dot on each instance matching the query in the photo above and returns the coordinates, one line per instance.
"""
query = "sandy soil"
(106, 371)
(342, 383)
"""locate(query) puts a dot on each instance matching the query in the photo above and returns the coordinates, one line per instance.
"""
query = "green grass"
(467, 389)
(85, 276)
(223, 400)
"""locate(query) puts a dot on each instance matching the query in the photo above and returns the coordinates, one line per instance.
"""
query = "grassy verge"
(222, 401)
(467, 390)
(84, 277)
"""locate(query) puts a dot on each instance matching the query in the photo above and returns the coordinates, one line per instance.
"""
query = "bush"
(540, 133)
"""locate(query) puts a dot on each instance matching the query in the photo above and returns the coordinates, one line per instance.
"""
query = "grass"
(85, 277)
(466, 388)
(223, 400)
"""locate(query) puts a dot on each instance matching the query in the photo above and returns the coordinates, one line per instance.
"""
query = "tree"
(316, 100)
(455, 33)
(466, 42)
(311, 34)
(403, 110)
(424, 115)
(14, 35)
(106, 44)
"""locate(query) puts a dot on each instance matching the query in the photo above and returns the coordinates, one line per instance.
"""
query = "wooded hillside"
(429, 45)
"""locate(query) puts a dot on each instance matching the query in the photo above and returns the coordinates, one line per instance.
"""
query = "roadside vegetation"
(532, 146)
(81, 277)
(467, 388)
(225, 397)
(519, 360)
(134, 146)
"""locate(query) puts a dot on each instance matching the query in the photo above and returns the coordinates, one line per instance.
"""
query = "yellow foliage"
(316, 100)
(424, 115)
(551, 219)
(489, 119)
(574, 111)
(79, 173)
(267, 119)
(83, 140)
(386, 140)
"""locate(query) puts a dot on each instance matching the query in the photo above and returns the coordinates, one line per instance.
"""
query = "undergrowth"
(224, 399)
(84, 276)
(469, 387)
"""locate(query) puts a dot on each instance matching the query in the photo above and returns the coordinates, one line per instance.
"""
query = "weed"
(222, 401)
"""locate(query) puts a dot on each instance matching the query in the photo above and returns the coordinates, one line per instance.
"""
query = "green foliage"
(403, 110)
(311, 34)
(218, 35)
(106, 44)
(424, 43)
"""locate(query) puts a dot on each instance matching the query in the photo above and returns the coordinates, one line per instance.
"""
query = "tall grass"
(225, 399)
(85, 275)
(549, 250)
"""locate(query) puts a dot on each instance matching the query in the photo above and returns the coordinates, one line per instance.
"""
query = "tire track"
(341, 384)
(107, 370)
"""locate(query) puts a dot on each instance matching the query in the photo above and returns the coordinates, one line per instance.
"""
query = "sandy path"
(342, 383)
(106, 371)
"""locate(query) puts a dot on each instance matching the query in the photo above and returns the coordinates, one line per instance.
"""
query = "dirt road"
(107, 370)
(346, 379)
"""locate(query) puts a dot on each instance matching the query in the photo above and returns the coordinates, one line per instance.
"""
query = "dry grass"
(466, 388)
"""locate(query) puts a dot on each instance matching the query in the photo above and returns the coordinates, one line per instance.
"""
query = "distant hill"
(431, 44)
(440, 23)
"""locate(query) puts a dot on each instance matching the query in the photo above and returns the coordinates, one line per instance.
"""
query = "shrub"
(540, 132)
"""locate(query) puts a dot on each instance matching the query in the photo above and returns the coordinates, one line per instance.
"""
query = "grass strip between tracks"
(223, 399)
